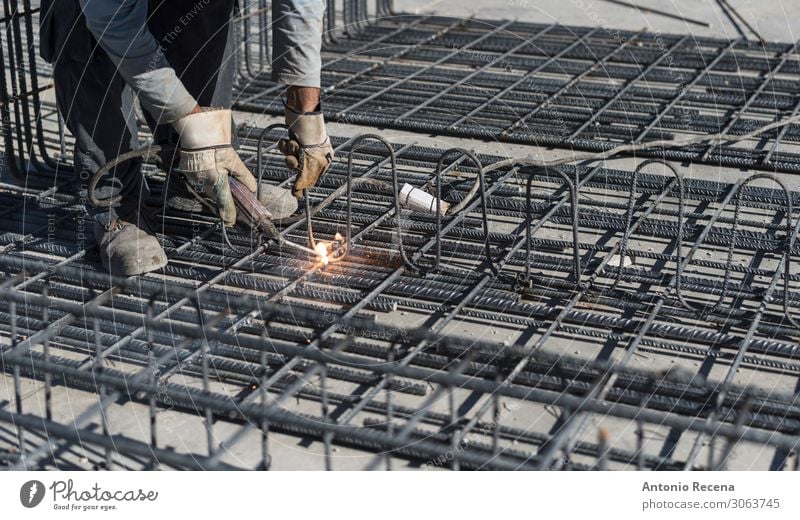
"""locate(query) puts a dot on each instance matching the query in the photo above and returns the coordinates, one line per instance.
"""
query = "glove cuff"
(197, 161)
(211, 127)
(307, 127)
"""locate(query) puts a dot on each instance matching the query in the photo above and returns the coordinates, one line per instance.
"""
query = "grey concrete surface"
(773, 19)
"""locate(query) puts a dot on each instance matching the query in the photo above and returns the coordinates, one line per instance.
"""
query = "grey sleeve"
(297, 39)
(120, 27)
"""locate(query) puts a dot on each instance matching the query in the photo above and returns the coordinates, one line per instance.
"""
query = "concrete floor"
(777, 20)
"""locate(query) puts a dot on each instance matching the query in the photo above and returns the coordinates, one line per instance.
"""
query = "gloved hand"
(207, 158)
(308, 150)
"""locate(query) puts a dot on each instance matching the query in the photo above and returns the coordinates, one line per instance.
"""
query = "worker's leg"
(98, 111)
(92, 99)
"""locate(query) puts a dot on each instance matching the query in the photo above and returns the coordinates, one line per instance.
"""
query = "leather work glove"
(207, 158)
(308, 150)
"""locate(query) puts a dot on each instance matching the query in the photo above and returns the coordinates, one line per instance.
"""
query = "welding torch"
(250, 210)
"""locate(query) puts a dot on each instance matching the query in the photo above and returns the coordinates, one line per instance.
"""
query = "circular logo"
(31, 493)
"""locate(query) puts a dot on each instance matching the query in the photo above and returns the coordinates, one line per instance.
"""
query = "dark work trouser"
(96, 104)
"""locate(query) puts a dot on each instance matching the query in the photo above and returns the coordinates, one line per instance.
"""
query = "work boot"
(126, 249)
(277, 201)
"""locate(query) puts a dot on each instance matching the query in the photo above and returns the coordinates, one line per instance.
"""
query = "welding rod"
(730, 10)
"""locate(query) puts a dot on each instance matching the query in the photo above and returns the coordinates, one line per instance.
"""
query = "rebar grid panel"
(28, 145)
(554, 85)
(680, 285)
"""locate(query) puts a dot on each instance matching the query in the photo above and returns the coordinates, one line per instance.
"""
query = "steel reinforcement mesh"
(553, 85)
(577, 318)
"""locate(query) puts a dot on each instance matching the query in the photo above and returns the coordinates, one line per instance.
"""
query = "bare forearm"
(303, 99)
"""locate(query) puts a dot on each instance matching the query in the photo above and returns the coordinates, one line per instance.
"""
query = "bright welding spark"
(32, 492)
(338, 237)
(322, 251)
